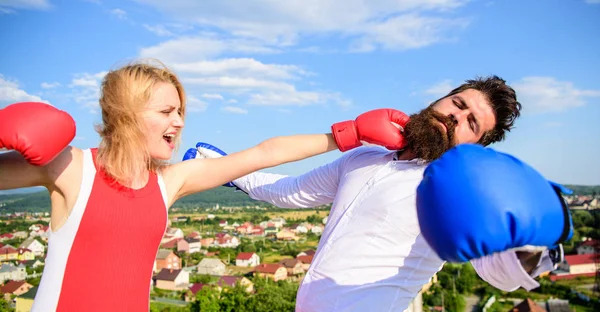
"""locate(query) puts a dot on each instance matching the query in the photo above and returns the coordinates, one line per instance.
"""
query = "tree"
(207, 300)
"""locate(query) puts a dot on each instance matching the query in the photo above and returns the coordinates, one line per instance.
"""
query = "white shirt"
(371, 255)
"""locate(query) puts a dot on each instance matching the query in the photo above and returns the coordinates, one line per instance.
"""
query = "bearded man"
(371, 255)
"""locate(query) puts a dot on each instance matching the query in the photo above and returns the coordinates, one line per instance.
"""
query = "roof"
(210, 262)
(305, 259)
(290, 263)
(11, 287)
(163, 253)
(195, 288)
(558, 305)
(244, 255)
(30, 294)
(270, 268)
(168, 274)
(229, 280)
(581, 259)
(591, 243)
(527, 305)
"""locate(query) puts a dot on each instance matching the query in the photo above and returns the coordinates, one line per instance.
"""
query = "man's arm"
(314, 188)
(514, 268)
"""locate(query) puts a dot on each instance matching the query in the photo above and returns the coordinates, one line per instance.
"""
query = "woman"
(110, 204)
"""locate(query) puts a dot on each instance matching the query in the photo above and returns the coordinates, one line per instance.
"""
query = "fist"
(382, 127)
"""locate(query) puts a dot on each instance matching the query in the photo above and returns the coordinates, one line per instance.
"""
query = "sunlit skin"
(472, 114)
(162, 121)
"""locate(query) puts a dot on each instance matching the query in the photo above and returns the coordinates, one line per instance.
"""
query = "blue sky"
(259, 69)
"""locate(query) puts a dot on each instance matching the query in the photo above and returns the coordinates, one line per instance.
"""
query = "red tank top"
(111, 257)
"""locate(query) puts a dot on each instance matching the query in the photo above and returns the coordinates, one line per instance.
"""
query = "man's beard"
(426, 137)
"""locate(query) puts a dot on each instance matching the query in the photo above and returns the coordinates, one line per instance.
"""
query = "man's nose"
(453, 119)
(459, 116)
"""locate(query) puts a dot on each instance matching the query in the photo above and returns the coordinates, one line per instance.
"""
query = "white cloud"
(212, 96)
(202, 47)
(441, 88)
(235, 110)
(50, 85)
(547, 94)
(222, 60)
(244, 67)
(7, 5)
(592, 1)
(168, 29)
(390, 24)
(86, 90)
(159, 30)
(120, 14)
(195, 105)
(11, 92)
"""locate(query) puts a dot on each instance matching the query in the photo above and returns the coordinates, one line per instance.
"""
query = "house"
(16, 288)
(271, 230)
(300, 228)
(227, 242)
(8, 253)
(574, 266)
(579, 264)
(24, 302)
(232, 281)
(166, 259)
(247, 259)
(32, 263)
(205, 242)
(172, 233)
(193, 291)
(278, 222)
(170, 244)
(527, 305)
(34, 245)
(306, 261)
(558, 305)
(20, 234)
(293, 266)
(24, 254)
(308, 252)
(589, 246)
(212, 266)
(189, 245)
(286, 235)
(5, 236)
(274, 271)
(194, 234)
(172, 279)
(317, 229)
(10, 272)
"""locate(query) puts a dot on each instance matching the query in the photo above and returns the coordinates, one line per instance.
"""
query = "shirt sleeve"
(314, 188)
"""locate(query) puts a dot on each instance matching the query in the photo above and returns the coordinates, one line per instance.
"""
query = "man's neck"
(406, 154)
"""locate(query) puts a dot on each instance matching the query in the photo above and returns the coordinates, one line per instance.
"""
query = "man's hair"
(503, 100)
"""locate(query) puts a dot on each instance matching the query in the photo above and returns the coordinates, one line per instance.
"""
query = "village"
(222, 248)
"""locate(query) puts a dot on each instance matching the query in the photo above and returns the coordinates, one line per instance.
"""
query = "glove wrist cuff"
(567, 231)
(345, 135)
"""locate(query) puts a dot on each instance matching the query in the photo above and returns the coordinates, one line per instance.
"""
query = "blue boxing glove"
(205, 150)
(474, 201)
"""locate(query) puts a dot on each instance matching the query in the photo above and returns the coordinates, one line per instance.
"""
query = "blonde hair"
(123, 153)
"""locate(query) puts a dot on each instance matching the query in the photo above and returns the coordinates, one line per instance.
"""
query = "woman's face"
(162, 121)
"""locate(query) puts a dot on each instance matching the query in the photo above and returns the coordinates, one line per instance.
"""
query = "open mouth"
(169, 138)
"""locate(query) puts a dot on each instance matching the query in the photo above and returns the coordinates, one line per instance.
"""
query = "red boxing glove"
(38, 131)
(374, 127)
